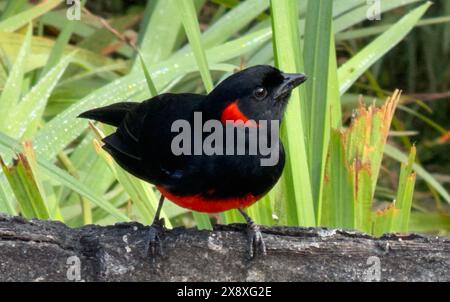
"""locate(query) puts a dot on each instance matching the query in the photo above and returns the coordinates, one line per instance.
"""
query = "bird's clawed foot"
(256, 245)
(153, 242)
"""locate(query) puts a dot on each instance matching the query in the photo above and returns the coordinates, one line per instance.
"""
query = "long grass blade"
(13, 86)
(338, 207)
(356, 66)
(188, 15)
(24, 117)
(396, 154)
(57, 51)
(17, 21)
(59, 176)
(286, 43)
(404, 202)
(12, 8)
(24, 182)
(317, 104)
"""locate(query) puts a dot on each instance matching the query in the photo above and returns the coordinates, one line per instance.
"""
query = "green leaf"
(40, 48)
(13, 86)
(148, 77)
(358, 9)
(24, 117)
(58, 48)
(233, 21)
(429, 222)
(338, 208)
(159, 33)
(375, 30)
(286, 43)
(26, 186)
(12, 8)
(396, 154)
(17, 21)
(188, 15)
(333, 88)
(363, 145)
(202, 221)
(363, 197)
(368, 134)
(60, 176)
(384, 220)
(6, 197)
(317, 103)
(405, 192)
(357, 65)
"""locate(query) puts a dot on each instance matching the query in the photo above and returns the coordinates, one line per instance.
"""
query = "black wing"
(142, 142)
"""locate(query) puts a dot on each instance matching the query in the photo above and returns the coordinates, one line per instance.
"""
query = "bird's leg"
(153, 245)
(256, 242)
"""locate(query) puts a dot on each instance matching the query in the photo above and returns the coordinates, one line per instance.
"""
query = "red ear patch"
(232, 113)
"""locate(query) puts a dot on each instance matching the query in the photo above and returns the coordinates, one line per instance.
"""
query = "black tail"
(111, 115)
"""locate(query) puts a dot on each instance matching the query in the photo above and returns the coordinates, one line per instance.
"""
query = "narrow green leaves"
(393, 152)
(317, 103)
(13, 87)
(7, 200)
(148, 77)
(159, 32)
(59, 176)
(12, 7)
(338, 207)
(395, 218)
(202, 221)
(58, 49)
(296, 178)
(24, 116)
(353, 164)
(357, 65)
(234, 20)
(188, 15)
(405, 192)
(25, 183)
(17, 21)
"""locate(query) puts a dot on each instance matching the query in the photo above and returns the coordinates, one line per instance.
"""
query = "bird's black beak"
(291, 80)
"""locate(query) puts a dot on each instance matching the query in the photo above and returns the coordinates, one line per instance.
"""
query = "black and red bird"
(142, 144)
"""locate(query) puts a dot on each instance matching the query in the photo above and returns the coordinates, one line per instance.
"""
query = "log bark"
(50, 251)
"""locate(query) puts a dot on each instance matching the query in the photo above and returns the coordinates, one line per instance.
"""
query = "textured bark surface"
(50, 251)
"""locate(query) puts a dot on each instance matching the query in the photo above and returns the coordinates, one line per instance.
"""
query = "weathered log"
(50, 251)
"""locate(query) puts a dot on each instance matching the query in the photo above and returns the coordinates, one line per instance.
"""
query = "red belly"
(201, 204)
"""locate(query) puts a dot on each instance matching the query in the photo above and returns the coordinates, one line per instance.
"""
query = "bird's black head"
(258, 93)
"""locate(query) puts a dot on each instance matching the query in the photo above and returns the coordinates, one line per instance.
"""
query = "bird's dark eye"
(260, 93)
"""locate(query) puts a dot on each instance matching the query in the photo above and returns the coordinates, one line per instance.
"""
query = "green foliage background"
(53, 68)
